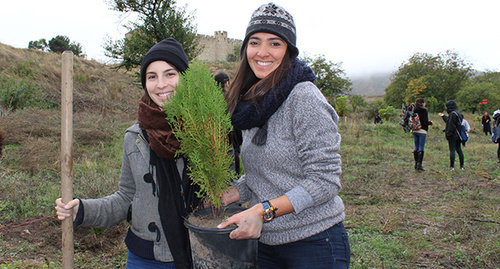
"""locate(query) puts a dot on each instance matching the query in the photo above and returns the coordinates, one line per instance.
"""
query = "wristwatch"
(269, 211)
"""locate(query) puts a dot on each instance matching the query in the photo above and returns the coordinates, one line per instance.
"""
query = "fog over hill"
(370, 85)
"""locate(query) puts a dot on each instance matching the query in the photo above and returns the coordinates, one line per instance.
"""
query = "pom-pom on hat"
(273, 19)
(168, 50)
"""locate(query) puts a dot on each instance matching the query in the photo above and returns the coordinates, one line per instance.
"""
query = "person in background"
(154, 193)
(420, 136)
(222, 80)
(496, 124)
(377, 120)
(466, 124)
(453, 123)
(289, 151)
(485, 121)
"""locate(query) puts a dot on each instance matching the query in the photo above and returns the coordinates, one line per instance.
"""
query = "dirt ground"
(47, 235)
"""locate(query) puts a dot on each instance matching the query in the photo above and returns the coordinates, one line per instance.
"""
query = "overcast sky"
(367, 36)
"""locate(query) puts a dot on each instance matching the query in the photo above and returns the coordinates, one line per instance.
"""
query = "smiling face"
(265, 53)
(161, 81)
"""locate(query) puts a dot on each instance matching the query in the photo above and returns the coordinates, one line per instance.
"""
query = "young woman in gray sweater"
(289, 151)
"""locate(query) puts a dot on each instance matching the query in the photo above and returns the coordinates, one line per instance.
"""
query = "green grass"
(396, 217)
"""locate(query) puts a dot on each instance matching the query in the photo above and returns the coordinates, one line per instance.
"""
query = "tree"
(157, 20)
(483, 87)
(62, 43)
(330, 77)
(197, 113)
(425, 75)
(357, 102)
(373, 109)
(39, 45)
(341, 107)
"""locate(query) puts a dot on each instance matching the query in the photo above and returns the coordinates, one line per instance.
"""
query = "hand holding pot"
(249, 223)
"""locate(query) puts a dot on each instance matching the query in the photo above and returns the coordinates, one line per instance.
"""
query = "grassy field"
(396, 217)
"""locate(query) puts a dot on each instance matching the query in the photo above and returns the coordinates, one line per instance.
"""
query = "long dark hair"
(419, 101)
(247, 87)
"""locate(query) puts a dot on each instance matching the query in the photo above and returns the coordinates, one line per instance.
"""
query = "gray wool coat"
(135, 197)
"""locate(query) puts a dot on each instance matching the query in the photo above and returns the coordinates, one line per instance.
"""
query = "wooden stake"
(67, 155)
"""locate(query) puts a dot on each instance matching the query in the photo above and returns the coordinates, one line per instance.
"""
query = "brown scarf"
(153, 120)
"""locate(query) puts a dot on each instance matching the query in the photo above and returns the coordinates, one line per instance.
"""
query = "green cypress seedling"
(197, 113)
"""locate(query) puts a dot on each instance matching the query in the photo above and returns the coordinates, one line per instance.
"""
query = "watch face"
(268, 216)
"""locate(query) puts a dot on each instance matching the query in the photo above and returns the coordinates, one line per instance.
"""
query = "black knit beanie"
(273, 19)
(168, 50)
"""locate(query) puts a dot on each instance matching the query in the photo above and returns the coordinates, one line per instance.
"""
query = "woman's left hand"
(249, 223)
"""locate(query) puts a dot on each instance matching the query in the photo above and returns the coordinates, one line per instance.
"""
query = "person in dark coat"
(453, 123)
(420, 136)
(496, 124)
(485, 121)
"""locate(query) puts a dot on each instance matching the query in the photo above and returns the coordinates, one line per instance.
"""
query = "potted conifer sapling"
(197, 113)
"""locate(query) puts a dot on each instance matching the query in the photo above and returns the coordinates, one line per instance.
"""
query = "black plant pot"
(212, 247)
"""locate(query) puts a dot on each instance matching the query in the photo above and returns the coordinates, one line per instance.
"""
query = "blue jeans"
(419, 140)
(136, 262)
(328, 249)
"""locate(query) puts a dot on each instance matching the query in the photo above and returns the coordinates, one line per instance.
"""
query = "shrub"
(20, 93)
(198, 116)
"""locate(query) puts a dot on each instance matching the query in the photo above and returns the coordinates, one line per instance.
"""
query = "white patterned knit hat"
(273, 19)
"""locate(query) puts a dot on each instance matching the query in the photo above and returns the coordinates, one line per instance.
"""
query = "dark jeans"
(328, 249)
(455, 145)
(136, 262)
(419, 141)
(498, 151)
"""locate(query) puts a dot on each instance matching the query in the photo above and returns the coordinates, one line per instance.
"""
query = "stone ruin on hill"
(217, 47)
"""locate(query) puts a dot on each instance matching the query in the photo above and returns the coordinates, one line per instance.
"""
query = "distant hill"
(370, 85)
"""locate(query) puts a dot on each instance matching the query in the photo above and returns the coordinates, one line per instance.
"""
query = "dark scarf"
(177, 196)
(153, 120)
(249, 114)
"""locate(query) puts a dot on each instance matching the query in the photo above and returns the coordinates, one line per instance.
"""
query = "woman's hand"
(249, 223)
(230, 196)
(63, 210)
(440, 114)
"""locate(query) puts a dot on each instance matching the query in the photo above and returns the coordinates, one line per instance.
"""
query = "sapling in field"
(197, 113)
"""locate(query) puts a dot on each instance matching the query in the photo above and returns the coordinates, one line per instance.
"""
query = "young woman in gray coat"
(154, 190)
(289, 151)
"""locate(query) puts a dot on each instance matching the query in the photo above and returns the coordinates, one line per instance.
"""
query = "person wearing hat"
(149, 192)
(222, 80)
(289, 152)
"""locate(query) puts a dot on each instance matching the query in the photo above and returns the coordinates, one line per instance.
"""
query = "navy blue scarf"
(248, 114)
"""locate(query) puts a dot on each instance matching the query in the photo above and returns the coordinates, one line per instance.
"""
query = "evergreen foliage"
(330, 77)
(425, 75)
(156, 21)
(62, 43)
(197, 113)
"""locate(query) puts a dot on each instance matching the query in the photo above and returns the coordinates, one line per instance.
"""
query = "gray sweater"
(300, 160)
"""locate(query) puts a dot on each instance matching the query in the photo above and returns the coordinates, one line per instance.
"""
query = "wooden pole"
(67, 155)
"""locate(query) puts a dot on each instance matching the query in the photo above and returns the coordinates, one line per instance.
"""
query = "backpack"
(414, 122)
(462, 131)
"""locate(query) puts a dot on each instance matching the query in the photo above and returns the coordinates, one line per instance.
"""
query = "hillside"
(370, 85)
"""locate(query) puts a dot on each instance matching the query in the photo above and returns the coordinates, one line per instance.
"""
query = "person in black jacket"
(453, 123)
(485, 121)
(420, 136)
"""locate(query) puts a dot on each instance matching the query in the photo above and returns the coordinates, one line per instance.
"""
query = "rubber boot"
(420, 158)
(415, 157)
